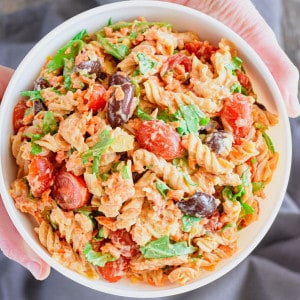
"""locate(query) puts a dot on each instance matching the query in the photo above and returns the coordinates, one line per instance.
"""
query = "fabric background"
(271, 272)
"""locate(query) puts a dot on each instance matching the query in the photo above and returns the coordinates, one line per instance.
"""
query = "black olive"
(38, 106)
(41, 83)
(216, 141)
(199, 205)
(120, 110)
(91, 66)
(118, 78)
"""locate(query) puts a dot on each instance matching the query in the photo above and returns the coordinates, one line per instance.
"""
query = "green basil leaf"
(67, 72)
(257, 186)
(119, 51)
(96, 258)
(162, 188)
(109, 22)
(100, 235)
(260, 126)
(104, 141)
(145, 64)
(162, 248)
(140, 25)
(244, 91)
(236, 88)
(80, 35)
(189, 117)
(246, 208)
(190, 114)
(142, 115)
(188, 179)
(104, 176)
(35, 148)
(133, 35)
(125, 173)
(180, 162)
(33, 95)
(235, 64)
(268, 142)
(64, 54)
(239, 194)
(49, 123)
(96, 164)
(182, 129)
(245, 178)
(166, 116)
(227, 193)
(137, 89)
(188, 222)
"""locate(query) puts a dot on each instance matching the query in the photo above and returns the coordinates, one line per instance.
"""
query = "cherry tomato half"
(201, 49)
(98, 97)
(244, 80)
(236, 115)
(70, 191)
(113, 271)
(40, 176)
(122, 240)
(160, 138)
(178, 59)
(18, 115)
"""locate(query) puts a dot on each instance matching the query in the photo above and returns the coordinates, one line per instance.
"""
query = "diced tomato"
(40, 176)
(244, 80)
(177, 59)
(160, 138)
(236, 115)
(122, 240)
(98, 97)
(113, 271)
(203, 50)
(18, 115)
(70, 191)
(214, 223)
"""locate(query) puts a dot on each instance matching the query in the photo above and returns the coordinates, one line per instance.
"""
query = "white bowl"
(182, 18)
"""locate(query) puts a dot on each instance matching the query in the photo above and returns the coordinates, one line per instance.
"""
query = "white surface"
(183, 19)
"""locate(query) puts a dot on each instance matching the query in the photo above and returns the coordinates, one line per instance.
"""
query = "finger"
(243, 18)
(15, 248)
(11, 243)
(5, 75)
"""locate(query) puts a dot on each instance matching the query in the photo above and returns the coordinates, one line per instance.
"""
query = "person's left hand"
(11, 243)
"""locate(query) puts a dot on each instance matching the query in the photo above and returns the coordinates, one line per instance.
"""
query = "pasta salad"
(142, 152)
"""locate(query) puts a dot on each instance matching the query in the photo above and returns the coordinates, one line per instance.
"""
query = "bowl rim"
(111, 289)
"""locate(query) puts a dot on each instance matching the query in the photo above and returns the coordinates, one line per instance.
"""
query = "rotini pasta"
(142, 153)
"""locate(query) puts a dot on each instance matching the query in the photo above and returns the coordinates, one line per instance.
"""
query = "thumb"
(15, 248)
(5, 75)
(243, 18)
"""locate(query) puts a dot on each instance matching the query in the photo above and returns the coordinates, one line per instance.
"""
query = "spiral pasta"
(204, 157)
(143, 158)
(164, 98)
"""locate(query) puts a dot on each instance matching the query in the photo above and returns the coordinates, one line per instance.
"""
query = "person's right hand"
(11, 242)
(243, 18)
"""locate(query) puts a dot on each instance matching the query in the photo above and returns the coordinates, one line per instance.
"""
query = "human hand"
(243, 18)
(11, 243)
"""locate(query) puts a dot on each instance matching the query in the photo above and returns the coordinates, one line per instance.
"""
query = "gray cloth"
(271, 272)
